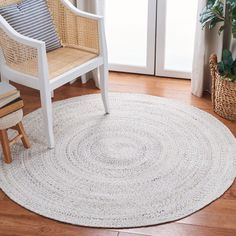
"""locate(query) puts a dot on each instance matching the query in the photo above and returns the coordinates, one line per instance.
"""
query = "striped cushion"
(32, 18)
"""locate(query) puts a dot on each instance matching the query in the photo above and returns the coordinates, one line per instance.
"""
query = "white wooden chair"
(25, 61)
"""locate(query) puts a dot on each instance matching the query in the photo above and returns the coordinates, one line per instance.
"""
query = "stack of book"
(10, 100)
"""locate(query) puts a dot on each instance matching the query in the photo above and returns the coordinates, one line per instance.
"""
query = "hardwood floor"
(217, 219)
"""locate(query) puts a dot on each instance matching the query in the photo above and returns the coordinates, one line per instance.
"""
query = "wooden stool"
(12, 121)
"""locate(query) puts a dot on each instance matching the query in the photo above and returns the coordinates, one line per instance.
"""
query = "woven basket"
(223, 93)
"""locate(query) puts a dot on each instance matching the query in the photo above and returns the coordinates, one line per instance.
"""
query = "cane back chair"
(25, 60)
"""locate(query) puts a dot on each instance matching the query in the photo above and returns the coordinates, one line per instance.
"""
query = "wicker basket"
(223, 93)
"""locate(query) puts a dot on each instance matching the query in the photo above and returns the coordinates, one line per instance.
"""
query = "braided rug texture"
(152, 160)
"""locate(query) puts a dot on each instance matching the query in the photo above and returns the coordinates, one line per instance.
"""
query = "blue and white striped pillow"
(32, 18)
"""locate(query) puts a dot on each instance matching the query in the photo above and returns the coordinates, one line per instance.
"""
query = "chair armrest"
(19, 52)
(76, 28)
(80, 13)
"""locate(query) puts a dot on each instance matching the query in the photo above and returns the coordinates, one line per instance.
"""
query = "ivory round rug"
(152, 160)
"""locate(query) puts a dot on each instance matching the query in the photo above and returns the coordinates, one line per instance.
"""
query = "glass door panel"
(130, 31)
(176, 21)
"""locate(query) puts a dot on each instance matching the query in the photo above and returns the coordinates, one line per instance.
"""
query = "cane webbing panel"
(8, 2)
(74, 31)
(18, 56)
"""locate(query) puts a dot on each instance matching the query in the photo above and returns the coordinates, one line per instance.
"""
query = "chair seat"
(11, 119)
(64, 59)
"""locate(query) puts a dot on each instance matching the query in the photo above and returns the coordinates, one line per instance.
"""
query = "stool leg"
(5, 146)
(24, 138)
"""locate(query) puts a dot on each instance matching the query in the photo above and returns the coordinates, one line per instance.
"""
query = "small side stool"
(12, 121)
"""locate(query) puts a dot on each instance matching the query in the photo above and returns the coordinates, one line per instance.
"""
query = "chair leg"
(46, 103)
(52, 94)
(104, 86)
(83, 79)
(24, 138)
(96, 77)
(5, 146)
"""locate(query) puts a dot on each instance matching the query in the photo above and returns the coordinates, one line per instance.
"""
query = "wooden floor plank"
(2, 195)
(27, 226)
(131, 234)
(231, 193)
(217, 219)
(177, 229)
(220, 214)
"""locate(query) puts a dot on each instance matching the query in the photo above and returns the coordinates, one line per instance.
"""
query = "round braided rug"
(152, 160)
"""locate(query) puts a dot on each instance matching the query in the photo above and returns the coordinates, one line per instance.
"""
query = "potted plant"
(223, 73)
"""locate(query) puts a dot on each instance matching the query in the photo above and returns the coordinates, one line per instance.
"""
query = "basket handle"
(213, 69)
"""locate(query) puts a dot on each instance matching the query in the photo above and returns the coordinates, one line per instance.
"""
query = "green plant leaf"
(227, 57)
(231, 7)
(213, 23)
(212, 13)
(234, 64)
(218, 8)
(221, 29)
(234, 28)
(221, 67)
(227, 67)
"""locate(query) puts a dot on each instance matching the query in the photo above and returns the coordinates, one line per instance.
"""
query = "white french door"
(176, 24)
(151, 36)
(130, 31)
